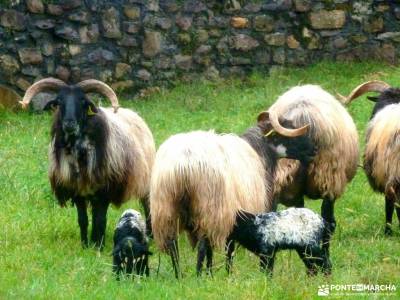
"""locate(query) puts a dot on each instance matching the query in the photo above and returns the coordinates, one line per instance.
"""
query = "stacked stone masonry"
(132, 44)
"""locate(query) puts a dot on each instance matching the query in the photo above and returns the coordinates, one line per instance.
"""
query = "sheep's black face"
(74, 109)
(389, 96)
(300, 148)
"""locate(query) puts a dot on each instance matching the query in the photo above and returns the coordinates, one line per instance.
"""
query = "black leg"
(204, 250)
(389, 209)
(129, 266)
(328, 214)
(397, 206)
(83, 221)
(300, 202)
(267, 261)
(311, 259)
(99, 222)
(173, 251)
(209, 253)
(229, 249)
(146, 207)
(117, 266)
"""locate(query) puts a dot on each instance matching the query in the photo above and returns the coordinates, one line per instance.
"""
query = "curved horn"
(273, 118)
(93, 85)
(369, 86)
(52, 84)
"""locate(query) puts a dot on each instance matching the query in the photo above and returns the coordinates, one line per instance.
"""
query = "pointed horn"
(46, 84)
(369, 86)
(93, 85)
(273, 117)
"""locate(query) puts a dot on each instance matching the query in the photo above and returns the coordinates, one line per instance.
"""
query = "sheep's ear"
(373, 98)
(264, 124)
(92, 109)
(51, 105)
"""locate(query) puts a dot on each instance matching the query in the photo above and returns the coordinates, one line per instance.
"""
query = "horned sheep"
(382, 148)
(334, 134)
(96, 155)
(200, 180)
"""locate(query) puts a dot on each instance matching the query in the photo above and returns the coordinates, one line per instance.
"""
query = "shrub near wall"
(133, 43)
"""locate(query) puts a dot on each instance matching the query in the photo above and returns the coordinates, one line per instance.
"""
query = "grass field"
(40, 252)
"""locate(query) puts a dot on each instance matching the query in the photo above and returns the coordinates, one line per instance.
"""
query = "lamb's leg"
(83, 220)
(146, 207)
(267, 261)
(173, 251)
(389, 209)
(230, 249)
(308, 260)
(129, 266)
(142, 266)
(99, 222)
(328, 214)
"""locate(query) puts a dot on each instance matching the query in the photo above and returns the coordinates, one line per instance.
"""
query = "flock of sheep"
(221, 189)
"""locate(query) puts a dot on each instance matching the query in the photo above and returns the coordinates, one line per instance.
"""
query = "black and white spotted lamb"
(131, 248)
(297, 229)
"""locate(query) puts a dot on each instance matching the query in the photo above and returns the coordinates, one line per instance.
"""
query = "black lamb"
(131, 245)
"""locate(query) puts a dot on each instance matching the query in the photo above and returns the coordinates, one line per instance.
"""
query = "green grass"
(40, 252)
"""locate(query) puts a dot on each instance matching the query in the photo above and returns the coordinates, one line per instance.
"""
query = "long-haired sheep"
(297, 229)
(334, 133)
(381, 157)
(97, 155)
(200, 180)
(131, 249)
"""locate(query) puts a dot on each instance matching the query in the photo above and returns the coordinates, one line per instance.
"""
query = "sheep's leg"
(308, 260)
(146, 207)
(267, 261)
(83, 220)
(328, 214)
(209, 253)
(397, 206)
(389, 209)
(129, 266)
(99, 222)
(204, 250)
(230, 249)
(173, 251)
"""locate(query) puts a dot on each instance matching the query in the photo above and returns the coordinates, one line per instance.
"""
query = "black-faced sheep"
(200, 180)
(96, 155)
(131, 248)
(297, 229)
(382, 148)
(334, 134)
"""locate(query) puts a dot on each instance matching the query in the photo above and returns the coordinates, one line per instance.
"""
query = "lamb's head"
(387, 95)
(286, 140)
(73, 104)
(127, 253)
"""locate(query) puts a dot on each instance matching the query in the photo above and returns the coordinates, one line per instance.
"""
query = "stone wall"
(135, 43)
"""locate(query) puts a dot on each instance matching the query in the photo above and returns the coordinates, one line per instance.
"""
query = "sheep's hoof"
(388, 230)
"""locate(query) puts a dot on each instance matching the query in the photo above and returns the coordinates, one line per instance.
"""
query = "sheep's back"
(209, 177)
(381, 157)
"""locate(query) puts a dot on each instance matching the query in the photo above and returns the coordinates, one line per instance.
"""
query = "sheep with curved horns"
(96, 155)
(334, 133)
(200, 180)
(381, 157)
